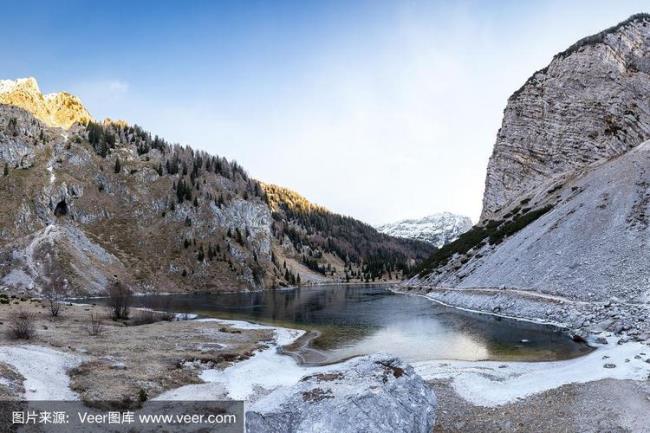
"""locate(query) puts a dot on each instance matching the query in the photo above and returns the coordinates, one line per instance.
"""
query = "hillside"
(438, 229)
(567, 189)
(316, 233)
(98, 201)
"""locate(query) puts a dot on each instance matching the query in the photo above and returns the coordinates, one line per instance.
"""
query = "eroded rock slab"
(375, 393)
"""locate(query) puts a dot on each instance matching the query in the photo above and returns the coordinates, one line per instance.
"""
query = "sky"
(382, 110)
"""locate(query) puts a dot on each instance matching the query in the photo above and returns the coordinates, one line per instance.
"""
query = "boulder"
(376, 393)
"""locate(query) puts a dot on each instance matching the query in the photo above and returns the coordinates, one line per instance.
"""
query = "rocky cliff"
(55, 109)
(87, 202)
(567, 193)
(437, 229)
(589, 103)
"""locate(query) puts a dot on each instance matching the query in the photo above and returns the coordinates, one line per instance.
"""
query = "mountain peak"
(438, 229)
(54, 109)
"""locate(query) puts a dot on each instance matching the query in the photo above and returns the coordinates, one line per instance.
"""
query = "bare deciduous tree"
(119, 300)
(55, 291)
(55, 285)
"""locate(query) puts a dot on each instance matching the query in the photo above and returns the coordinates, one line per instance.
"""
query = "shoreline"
(533, 320)
(271, 364)
(580, 319)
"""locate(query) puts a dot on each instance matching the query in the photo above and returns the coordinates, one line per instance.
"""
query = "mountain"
(588, 104)
(567, 200)
(437, 229)
(88, 202)
(54, 109)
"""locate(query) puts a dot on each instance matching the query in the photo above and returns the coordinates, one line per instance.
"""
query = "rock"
(609, 365)
(376, 393)
(587, 104)
(578, 338)
(56, 109)
(118, 366)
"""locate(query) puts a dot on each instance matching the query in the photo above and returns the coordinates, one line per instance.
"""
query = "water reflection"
(356, 320)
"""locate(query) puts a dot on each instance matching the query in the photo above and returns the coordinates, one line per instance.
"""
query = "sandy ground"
(123, 363)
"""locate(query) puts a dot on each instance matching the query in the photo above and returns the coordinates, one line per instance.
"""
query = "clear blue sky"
(377, 109)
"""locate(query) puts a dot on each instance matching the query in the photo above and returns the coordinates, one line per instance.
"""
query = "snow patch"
(265, 371)
(44, 370)
(488, 383)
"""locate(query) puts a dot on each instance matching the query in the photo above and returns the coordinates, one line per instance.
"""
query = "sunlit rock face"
(589, 103)
(55, 109)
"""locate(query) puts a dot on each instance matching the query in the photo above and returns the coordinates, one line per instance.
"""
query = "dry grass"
(21, 325)
(158, 356)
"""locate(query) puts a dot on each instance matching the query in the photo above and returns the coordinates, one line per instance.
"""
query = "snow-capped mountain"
(437, 229)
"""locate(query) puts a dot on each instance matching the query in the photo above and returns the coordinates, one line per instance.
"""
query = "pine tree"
(6, 170)
(159, 169)
(118, 165)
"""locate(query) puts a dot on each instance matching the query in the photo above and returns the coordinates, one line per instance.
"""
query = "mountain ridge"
(59, 109)
(99, 201)
(437, 229)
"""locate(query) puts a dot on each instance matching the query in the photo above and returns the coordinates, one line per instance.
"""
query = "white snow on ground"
(267, 369)
(485, 383)
(44, 370)
(491, 383)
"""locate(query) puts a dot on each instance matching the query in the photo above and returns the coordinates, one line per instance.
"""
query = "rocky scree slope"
(95, 202)
(565, 227)
(589, 103)
(437, 229)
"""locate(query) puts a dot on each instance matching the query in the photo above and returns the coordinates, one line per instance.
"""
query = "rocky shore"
(587, 320)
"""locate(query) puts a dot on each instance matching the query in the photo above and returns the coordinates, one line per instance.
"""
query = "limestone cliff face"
(591, 102)
(568, 186)
(55, 109)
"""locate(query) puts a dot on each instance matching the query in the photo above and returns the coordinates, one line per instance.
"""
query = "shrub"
(95, 326)
(21, 326)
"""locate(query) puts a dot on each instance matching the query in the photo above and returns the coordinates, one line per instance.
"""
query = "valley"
(135, 270)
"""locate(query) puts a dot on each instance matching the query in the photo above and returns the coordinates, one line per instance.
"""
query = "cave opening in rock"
(61, 208)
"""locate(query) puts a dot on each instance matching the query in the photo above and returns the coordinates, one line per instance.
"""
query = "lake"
(361, 319)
